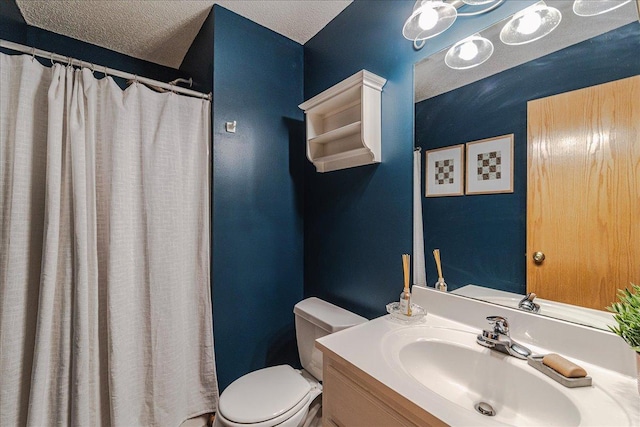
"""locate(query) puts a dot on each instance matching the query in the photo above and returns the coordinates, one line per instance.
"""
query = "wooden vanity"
(352, 397)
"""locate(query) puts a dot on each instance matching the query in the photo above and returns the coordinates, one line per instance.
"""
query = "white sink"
(450, 363)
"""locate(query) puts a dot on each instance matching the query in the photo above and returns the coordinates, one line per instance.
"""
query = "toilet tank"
(316, 318)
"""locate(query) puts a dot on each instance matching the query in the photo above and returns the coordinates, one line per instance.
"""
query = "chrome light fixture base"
(491, 4)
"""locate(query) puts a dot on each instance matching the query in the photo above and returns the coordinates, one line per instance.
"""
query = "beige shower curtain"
(105, 306)
(419, 269)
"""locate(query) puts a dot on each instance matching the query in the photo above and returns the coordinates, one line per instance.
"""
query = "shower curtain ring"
(51, 59)
(33, 53)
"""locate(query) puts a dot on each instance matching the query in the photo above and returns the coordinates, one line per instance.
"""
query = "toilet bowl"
(275, 396)
(280, 395)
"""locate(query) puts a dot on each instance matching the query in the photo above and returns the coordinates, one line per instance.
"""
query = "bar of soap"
(563, 366)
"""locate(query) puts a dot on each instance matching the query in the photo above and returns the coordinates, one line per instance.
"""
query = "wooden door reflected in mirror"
(583, 193)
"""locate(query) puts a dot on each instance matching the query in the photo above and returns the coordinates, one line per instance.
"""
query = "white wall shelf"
(342, 132)
(343, 123)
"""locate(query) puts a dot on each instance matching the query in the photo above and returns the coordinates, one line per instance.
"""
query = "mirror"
(482, 238)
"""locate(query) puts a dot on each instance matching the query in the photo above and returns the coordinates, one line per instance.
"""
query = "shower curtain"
(105, 306)
(419, 269)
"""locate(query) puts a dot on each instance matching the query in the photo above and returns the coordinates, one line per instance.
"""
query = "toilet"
(281, 395)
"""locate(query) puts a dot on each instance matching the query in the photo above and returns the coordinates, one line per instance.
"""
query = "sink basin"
(451, 364)
(468, 377)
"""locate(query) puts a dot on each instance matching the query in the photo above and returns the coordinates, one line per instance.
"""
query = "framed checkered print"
(444, 171)
(490, 165)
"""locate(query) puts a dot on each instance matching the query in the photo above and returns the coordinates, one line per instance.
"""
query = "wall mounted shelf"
(343, 123)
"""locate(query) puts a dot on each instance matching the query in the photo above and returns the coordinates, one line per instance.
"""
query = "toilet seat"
(265, 397)
(293, 417)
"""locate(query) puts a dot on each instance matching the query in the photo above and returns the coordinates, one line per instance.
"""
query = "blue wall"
(483, 237)
(358, 221)
(198, 62)
(257, 265)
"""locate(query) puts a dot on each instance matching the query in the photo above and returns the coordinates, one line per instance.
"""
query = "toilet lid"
(262, 395)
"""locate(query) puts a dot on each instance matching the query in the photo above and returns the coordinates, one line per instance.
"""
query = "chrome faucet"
(527, 303)
(499, 339)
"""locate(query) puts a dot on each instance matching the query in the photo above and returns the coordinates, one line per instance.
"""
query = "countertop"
(364, 347)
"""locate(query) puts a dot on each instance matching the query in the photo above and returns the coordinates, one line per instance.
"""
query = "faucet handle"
(527, 303)
(500, 324)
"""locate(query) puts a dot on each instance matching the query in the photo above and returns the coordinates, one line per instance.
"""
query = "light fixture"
(530, 24)
(469, 53)
(596, 7)
(432, 17)
(429, 18)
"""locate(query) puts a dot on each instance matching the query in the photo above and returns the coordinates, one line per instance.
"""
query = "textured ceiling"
(572, 29)
(161, 31)
(298, 20)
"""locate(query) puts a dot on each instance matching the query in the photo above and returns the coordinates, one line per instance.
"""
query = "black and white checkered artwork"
(444, 172)
(489, 166)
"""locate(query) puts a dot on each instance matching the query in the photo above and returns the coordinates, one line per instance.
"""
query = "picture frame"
(490, 165)
(444, 171)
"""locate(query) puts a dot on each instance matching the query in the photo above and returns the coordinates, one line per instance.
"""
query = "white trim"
(362, 77)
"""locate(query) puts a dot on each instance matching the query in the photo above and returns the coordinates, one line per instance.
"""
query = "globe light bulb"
(468, 51)
(428, 18)
(529, 23)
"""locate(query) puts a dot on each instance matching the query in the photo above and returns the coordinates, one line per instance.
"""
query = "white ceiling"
(161, 31)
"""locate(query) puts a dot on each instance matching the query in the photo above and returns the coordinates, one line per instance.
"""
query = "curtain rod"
(102, 69)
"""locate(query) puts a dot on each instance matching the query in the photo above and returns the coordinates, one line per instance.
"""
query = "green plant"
(627, 315)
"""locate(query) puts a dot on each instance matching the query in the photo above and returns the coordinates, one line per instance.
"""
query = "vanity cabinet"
(352, 398)
(343, 123)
